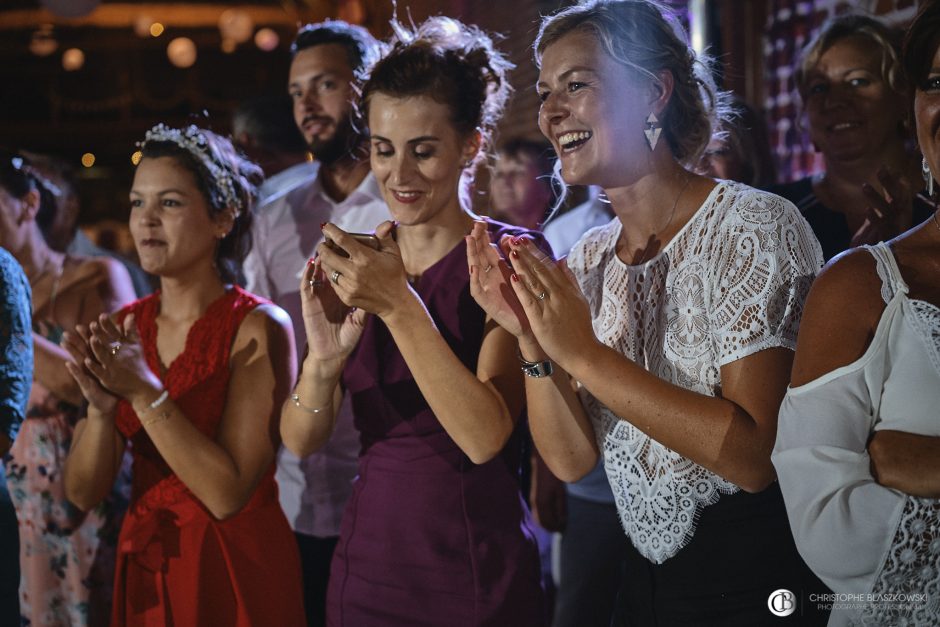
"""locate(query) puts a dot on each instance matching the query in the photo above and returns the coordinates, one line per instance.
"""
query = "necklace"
(648, 252)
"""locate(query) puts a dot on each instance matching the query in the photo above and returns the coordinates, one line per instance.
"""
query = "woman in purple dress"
(436, 532)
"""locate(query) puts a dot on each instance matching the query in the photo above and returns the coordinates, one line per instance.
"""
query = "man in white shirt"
(286, 232)
(264, 129)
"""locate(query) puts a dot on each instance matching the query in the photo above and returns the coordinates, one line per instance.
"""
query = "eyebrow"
(569, 72)
(312, 79)
(416, 140)
(162, 192)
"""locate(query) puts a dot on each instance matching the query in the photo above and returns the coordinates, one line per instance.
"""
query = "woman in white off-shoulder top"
(858, 448)
(678, 318)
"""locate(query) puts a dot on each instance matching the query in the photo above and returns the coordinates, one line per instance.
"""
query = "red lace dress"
(177, 564)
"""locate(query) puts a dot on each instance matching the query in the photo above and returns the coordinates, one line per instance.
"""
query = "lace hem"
(659, 494)
(907, 589)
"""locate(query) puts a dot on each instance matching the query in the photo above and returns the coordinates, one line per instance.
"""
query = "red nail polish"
(323, 224)
(515, 278)
(514, 254)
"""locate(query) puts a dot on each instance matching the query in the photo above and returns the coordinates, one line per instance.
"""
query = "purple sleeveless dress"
(428, 537)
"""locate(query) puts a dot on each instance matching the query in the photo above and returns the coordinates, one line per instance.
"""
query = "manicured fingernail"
(514, 254)
(515, 278)
(323, 224)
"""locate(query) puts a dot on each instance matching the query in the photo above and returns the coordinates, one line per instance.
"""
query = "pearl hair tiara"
(194, 141)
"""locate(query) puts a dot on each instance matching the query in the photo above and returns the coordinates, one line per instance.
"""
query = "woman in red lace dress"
(192, 377)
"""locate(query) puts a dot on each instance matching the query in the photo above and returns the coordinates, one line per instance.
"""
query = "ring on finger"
(487, 268)
(315, 283)
(541, 295)
(114, 348)
(335, 277)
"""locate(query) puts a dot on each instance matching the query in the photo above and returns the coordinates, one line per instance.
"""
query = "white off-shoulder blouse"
(859, 537)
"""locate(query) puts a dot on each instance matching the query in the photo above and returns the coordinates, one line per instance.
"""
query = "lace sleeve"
(16, 345)
(842, 520)
(766, 261)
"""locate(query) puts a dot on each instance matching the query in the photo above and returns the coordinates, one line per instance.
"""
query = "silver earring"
(928, 177)
(653, 130)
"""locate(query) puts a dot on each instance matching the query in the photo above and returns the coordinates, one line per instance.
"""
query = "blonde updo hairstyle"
(646, 38)
(452, 63)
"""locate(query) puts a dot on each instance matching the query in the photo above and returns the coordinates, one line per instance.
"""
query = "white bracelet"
(160, 399)
(310, 410)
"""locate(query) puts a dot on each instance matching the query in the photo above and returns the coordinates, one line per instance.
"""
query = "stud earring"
(928, 177)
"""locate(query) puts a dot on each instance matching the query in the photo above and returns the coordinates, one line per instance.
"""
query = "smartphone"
(367, 239)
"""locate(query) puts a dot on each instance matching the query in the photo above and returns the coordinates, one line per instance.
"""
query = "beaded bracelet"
(310, 410)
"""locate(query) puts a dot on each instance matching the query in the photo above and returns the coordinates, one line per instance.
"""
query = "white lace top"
(859, 537)
(732, 282)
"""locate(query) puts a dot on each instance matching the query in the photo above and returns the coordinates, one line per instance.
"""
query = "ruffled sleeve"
(842, 520)
(765, 260)
(16, 345)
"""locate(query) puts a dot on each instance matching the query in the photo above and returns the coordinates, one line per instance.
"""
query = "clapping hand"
(556, 309)
(490, 278)
(890, 214)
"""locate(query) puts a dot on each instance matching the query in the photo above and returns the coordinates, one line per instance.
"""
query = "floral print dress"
(66, 555)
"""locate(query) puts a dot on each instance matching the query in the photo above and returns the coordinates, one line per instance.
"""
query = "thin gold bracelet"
(163, 415)
(310, 410)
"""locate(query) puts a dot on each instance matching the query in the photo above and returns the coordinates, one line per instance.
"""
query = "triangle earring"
(653, 130)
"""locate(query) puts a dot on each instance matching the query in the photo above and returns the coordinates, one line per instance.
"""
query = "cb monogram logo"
(781, 602)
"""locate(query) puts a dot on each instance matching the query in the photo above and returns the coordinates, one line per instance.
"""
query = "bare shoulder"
(840, 316)
(264, 325)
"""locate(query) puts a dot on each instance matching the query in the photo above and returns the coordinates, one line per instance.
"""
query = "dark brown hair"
(454, 64)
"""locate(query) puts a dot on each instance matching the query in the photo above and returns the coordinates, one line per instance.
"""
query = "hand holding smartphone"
(367, 239)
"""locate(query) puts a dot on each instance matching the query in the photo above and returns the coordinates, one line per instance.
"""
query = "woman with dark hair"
(858, 450)
(436, 531)
(854, 95)
(192, 377)
(678, 320)
(66, 555)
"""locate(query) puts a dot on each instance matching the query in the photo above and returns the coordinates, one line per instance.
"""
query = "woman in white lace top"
(858, 450)
(682, 339)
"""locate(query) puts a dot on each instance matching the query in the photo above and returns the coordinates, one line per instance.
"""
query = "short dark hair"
(361, 47)
(269, 121)
(540, 152)
(921, 42)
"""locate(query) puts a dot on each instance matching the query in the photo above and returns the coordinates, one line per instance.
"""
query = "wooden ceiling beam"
(125, 15)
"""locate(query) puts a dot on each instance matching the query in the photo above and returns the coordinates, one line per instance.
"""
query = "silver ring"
(114, 348)
(541, 296)
(315, 283)
(487, 268)
(335, 277)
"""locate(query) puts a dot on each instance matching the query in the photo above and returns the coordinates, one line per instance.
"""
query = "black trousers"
(315, 557)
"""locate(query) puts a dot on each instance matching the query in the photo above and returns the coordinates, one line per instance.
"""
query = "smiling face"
(170, 221)
(927, 116)
(417, 157)
(593, 112)
(320, 88)
(853, 112)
